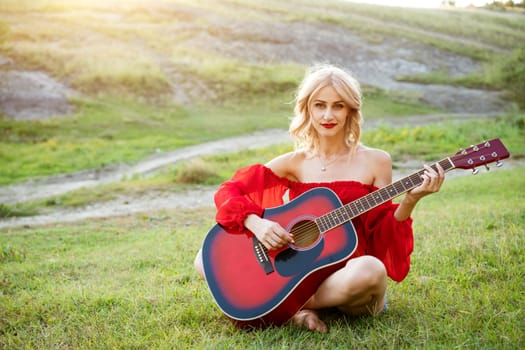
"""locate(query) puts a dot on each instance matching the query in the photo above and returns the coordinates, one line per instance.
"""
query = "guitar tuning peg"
(499, 163)
(475, 171)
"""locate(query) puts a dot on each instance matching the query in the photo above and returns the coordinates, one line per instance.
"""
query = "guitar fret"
(356, 208)
(343, 215)
(366, 202)
(353, 209)
(391, 189)
(382, 194)
(325, 221)
(359, 206)
(348, 212)
(413, 181)
(321, 224)
(330, 220)
(399, 187)
(335, 219)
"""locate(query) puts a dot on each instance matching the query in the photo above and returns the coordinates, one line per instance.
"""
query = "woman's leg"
(356, 289)
(197, 263)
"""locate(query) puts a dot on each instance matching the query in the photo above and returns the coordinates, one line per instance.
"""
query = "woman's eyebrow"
(319, 100)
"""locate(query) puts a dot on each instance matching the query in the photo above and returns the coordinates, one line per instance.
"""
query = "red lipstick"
(328, 125)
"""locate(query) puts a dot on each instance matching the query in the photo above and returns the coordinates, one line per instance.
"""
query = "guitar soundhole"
(306, 233)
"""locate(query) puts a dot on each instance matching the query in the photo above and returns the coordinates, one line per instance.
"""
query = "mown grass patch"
(433, 142)
(112, 131)
(134, 56)
(426, 144)
(128, 282)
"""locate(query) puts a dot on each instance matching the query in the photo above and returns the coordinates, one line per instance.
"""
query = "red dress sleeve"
(389, 240)
(249, 191)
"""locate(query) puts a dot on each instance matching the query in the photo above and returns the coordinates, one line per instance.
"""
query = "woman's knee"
(369, 270)
(197, 263)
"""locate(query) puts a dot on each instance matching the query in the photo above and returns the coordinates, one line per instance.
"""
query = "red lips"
(328, 126)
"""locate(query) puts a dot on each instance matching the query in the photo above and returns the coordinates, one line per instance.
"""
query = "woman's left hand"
(432, 181)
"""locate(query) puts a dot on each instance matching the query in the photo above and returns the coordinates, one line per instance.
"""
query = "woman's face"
(328, 112)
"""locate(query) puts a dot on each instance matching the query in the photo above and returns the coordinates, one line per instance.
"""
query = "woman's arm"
(240, 202)
(432, 181)
(268, 232)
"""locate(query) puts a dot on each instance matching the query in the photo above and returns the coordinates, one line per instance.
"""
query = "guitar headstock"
(481, 154)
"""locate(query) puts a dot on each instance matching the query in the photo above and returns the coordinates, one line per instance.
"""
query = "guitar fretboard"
(349, 211)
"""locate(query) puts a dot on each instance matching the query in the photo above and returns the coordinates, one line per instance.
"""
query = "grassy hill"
(160, 75)
(150, 76)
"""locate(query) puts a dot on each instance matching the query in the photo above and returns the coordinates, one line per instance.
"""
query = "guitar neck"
(349, 211)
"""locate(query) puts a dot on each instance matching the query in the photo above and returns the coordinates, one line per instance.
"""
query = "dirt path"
(161, 202)
(156, 201)
(35, 95)
(60, 184)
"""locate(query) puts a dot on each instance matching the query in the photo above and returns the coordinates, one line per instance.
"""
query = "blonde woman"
(326, 130)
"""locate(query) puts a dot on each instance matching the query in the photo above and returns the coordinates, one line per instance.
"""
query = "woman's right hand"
(272, 235)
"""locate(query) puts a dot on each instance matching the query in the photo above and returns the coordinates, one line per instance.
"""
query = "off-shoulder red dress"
(256, 187)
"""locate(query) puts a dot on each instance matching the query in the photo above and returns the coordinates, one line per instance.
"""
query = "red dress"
(256, 187)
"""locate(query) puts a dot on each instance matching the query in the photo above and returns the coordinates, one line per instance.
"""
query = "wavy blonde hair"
(317, 78)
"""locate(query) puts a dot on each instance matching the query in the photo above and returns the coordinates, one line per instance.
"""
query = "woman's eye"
(339, 106)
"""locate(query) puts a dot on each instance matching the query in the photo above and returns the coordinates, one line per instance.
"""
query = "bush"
(195, 171)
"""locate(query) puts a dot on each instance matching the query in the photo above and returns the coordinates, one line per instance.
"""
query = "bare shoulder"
(375, 155)
(286, 165)
(379, 164)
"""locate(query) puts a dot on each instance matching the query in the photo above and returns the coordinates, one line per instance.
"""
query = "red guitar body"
(256, 287)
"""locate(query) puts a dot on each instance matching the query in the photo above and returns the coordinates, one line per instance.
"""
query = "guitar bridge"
(262, 256)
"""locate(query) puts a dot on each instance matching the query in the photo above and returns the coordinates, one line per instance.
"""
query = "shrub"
(195, 171)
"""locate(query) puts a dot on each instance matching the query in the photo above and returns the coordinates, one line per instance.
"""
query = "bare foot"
(309, 319)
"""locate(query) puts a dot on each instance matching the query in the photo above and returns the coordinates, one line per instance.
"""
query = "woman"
(326, 129)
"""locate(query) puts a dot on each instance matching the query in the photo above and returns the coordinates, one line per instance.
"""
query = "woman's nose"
(327, 113)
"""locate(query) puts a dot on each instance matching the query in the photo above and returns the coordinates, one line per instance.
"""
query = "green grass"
(433, 142)
(128, 282)
(133, 48)
(426, 144)
(108, 131)
(130, 51)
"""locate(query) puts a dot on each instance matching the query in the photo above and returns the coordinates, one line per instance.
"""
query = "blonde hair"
(317, 78)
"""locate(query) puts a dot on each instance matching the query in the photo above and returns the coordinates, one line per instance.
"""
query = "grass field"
(134, 55)
(128, 282)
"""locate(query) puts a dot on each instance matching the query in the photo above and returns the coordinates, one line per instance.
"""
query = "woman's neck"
(332, 149)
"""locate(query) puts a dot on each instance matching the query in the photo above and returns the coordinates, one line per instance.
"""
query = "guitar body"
(255, 287)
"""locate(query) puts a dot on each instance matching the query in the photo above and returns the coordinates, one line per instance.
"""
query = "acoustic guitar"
(256, 287)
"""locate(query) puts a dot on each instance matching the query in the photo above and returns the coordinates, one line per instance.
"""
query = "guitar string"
(304, 231)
